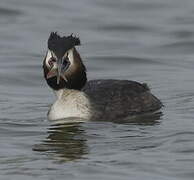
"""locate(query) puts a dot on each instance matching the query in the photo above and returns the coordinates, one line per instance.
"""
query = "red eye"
(51, 61)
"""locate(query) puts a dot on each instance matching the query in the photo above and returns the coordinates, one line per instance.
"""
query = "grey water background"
(149, 41)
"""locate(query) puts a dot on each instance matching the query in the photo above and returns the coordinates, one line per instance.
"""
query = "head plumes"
(61, 45)
(63, 67)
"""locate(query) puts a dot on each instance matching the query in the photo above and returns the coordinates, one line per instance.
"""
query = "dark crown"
(62, 44)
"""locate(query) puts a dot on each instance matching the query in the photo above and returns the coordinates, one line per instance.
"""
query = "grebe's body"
(110, 100)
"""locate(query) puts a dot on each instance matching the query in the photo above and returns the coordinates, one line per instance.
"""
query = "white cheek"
(48, 56)
(70, 56)
(54, 66)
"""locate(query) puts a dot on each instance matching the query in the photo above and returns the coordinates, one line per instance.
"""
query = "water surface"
(149, 41)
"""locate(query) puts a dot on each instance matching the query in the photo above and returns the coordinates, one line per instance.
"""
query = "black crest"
(60, 45)
(76, 76)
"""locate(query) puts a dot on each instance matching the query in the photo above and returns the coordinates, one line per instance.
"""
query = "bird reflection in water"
(65, 142)
(68, 142)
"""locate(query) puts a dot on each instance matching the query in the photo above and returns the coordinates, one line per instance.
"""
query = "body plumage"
(110, 99)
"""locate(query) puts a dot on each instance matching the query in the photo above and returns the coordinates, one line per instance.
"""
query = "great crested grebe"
(109, 99)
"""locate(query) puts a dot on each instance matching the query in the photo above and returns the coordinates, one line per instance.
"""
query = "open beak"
(59, 70)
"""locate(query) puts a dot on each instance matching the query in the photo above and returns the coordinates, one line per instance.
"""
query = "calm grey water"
(149, 41)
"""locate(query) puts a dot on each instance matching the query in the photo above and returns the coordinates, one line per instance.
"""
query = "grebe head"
(63, 67)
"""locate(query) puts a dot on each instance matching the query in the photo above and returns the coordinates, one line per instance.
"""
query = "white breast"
(70, 103)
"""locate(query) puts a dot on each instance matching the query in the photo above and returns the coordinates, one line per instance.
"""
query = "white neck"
(62, 93)
(70, 103)
(59, 93)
